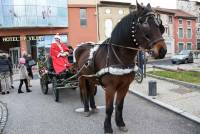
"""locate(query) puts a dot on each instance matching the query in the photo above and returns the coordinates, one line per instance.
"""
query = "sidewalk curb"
(167, 106)
(3, 116)
(185, 84)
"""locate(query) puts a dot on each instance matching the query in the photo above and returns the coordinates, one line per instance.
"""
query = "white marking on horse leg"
(79, 110)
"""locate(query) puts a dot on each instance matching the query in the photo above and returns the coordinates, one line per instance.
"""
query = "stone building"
(192, 7)
(109, 13)
(167, 18)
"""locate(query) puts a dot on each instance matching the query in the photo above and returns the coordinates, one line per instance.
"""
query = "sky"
(154, 3)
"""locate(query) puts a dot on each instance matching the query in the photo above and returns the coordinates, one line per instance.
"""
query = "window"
(167, 30)
(188, 23)
(198, 19)
(180, 22)
(180, 32)
(108, 27)
(170, 19)
(83, 17)
(189, 46)
(158, 16)
(180, 46)
(22, 13)
(189, 33)
(120, 12)
(198, 44)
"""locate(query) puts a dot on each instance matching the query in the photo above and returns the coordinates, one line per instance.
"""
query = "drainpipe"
(97, 20)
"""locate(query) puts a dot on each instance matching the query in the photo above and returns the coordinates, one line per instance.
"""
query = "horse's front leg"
(109, 110)
(121, 93)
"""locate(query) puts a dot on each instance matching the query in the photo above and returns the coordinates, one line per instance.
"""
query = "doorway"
(14, 55)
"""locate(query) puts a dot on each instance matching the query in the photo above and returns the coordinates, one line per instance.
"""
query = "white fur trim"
(116, 71)
(59, 55)
(92, 50)
(57, 36)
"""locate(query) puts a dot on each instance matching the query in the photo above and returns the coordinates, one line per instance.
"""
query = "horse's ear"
(148, 6)
(139, 7)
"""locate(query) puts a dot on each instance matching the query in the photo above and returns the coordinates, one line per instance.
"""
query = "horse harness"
(138, 22)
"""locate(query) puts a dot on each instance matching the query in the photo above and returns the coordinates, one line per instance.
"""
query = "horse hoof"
(86, 114)
(95, 110)
(123, 129)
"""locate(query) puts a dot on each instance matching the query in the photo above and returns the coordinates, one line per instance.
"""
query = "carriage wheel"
(44, 85)
(55, 90)
(139, 76)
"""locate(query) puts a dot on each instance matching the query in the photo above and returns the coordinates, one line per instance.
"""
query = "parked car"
(185, 56)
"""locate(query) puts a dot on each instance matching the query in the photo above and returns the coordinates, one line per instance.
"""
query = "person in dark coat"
(11, 74)
(5, 70)
(29, 68)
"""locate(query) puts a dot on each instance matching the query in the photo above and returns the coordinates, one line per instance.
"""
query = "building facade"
(82, 22)
(192, 7)
(109, 13)
(28, 26)
(184, 31)
(180, 29)
(167, 18)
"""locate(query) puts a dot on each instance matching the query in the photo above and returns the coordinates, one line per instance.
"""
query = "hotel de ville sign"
(17, 38)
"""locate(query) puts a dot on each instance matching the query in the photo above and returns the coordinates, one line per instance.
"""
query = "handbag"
(31, 63)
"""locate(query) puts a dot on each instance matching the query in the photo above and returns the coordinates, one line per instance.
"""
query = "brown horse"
(112, 64)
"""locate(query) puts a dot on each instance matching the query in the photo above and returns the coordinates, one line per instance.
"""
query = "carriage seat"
(50, 64)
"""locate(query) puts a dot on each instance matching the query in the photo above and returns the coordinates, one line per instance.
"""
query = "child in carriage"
(59, 53)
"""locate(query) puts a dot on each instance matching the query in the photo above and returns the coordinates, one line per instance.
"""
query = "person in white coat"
(23, 74)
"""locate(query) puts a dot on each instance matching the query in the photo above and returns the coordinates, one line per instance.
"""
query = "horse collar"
(134, 33)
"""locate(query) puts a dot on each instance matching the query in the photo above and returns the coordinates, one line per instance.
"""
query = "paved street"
(166, 63)
(35, 113)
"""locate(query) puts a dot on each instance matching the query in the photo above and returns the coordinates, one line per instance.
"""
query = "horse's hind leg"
(121, 93)
(109, 110)
(83, 84)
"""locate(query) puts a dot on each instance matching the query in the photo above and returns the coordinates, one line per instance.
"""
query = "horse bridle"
(138, 24)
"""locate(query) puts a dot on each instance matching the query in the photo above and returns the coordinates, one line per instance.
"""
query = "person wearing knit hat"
(59, 53)
(23, 74)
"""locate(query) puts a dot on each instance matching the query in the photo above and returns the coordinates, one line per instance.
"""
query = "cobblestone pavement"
(35, 113)
(3, 116)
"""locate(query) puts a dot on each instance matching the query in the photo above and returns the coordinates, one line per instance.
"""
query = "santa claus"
(59, 53)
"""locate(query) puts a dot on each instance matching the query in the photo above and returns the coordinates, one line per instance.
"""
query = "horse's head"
(147, 32)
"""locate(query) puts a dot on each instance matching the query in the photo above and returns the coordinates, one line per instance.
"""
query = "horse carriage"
(64, 80)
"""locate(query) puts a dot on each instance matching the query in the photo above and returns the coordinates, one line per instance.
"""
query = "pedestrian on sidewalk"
(5, 70)
(29, 63)
(23, 75)
(11, 74)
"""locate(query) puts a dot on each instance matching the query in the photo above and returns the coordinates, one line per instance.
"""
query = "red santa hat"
(57, 36)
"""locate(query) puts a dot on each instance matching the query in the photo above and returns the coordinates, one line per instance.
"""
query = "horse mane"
(122, 32)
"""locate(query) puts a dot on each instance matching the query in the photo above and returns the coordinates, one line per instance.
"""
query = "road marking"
(79, 110)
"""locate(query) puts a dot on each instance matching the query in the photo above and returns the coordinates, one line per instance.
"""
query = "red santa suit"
(60, 63)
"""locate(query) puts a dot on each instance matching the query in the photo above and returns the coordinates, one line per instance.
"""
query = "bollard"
(152, 88)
